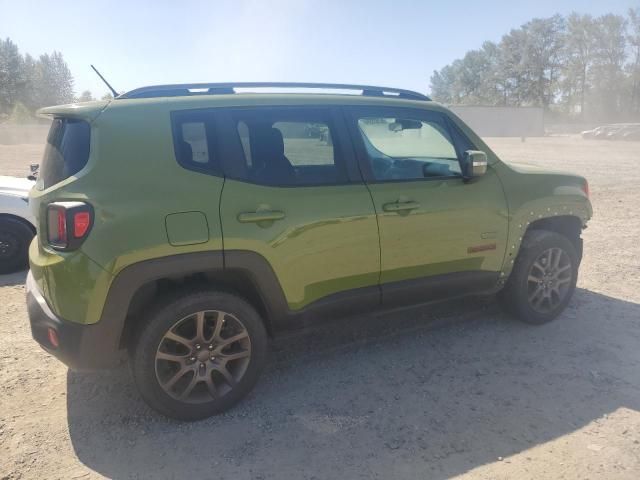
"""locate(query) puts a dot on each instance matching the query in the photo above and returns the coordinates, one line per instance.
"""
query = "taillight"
(81, 223)
(57, 226)
(68, 224)
(585, 188)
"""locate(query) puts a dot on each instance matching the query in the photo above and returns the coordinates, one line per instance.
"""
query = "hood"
(15, 186)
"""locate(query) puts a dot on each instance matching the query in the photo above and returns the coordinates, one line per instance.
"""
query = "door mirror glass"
(474, 164)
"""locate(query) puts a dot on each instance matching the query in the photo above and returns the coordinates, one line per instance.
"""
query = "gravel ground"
(451, 390)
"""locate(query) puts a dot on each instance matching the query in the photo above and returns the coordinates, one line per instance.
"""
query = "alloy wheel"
(203, 356)
(549, 280)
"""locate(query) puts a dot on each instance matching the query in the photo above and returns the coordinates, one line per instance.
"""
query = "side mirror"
(474, 164)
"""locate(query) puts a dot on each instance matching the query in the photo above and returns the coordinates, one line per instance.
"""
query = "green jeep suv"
(185, 225)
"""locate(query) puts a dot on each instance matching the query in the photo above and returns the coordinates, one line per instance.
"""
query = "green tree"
(53, 83)
(85, 97)
(493, 85)
(11, 75)
(473, 77)
(579, 47)
(20, 114)
(575, 66)
(633, 37)
(442, 84)
(543, 42)
(609, 82)
(512, 69)
(27, 93)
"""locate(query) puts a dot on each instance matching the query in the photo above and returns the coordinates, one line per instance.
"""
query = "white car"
(16, 223)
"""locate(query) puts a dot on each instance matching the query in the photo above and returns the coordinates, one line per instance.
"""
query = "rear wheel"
(15, 237)
(199, 354)
(543, 278)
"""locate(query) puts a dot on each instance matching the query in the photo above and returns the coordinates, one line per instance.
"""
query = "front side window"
(282, 147)
(409, 148)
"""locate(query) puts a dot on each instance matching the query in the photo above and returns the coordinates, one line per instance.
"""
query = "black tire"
(166, 316)
(15, 237)
(515, 297)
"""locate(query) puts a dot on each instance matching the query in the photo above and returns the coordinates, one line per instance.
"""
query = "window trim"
(353, 114)
(233, 153)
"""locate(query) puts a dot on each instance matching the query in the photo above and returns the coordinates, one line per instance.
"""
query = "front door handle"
(400, 206)
(260, 216)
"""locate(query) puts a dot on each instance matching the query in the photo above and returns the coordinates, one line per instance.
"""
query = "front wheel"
(199, 354)
(543, 279)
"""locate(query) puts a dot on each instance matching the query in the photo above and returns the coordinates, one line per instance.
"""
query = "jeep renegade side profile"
(184, 225)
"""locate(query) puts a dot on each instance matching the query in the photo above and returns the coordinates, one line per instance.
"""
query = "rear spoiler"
(85, 110)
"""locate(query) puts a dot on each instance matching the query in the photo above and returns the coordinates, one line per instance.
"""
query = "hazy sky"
(394, 43)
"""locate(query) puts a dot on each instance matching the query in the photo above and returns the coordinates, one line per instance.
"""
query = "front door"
(439, 236)
(293, 195)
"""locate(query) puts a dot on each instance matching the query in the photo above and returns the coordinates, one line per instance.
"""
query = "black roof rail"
(187, 89)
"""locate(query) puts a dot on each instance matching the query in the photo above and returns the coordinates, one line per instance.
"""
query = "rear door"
(439, 236)
(293, 194)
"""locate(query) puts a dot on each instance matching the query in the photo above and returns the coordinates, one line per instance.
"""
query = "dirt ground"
(454, 390)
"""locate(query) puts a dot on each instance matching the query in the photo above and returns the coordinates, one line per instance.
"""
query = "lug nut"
(197, 347)
(210, 347)
(193, 359)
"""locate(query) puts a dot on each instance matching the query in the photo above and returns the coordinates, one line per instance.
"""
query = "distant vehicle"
(599, 133)
(590, 134)
(17, 226)
(611, 134)
(629, 132)
(618, 133)
(615, 131)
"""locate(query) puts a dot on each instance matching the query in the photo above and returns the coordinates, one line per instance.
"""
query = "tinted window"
(194, 140)
(285, 147)
(405, 148)
(66, 152)
(243, 133)
(307, 143)
(195, 135)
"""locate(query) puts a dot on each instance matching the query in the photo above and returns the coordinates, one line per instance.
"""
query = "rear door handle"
(260, 216)
(400, 206)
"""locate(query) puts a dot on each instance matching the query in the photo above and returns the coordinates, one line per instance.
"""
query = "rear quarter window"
(194, 141)
(66, 152)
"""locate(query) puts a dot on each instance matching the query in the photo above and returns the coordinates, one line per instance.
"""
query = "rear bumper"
(81, 347)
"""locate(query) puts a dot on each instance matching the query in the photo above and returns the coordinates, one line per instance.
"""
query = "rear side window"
(307, 143)
(66, 152)
(287, 147)
(194, 140)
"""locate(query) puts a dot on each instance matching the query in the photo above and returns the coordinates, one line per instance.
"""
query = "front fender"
(534, 195)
